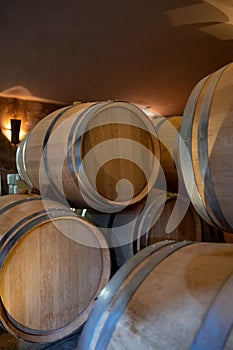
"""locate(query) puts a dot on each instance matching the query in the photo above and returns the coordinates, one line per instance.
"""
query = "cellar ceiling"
(148, 52)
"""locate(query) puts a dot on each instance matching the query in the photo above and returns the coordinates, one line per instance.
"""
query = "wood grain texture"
(228, 237)
(185, 223)
(164, 216)
(20, 162)
(160, 299)
(104, 153)
(53, 266)
(210, 129)
(167, 130)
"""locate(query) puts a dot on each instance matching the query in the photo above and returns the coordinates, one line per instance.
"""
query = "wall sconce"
(15, 130)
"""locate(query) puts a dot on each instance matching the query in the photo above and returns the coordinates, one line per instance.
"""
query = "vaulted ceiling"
(150, 52)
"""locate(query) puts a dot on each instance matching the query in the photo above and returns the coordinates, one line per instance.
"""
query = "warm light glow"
(21, 92)
(218, 13)
(5, 126)
(7, 134)
(22, 134)
(150, 112)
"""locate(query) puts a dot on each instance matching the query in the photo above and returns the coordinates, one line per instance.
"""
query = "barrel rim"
(185, 145)
(90, 191)
(56, 334)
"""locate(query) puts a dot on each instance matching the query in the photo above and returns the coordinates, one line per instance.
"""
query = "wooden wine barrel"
(147, 222)
(118, 230)
(228, 237)
(20, 162)
(167, 216)
(171, 295)
(206, 131)
(167, 130)
(93, 154)
(213, 234)
(159, 222)
(53, 266)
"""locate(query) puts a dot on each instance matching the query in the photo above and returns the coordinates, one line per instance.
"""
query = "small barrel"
(98, 155)
(53, 266)
(171, 295)
(206, 148)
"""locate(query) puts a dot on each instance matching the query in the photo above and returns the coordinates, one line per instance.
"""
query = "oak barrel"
(167, 130)
(206, 153)
(99, 155)
(164, 215)
(171, 295)
(228, 237)
(20, 162)
(167, 216)
(53, 266)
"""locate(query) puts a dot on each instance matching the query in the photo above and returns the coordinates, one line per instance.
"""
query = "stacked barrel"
(53, 266)
(99, 155)
(113, 184)
(54, 263)
(171, 295)
(178, 295)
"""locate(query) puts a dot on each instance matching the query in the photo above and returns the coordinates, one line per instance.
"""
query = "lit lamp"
(15, 130)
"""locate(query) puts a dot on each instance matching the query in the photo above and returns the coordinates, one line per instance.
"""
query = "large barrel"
(206, 131)
(93, 154)
(163, 216)
(53, 266)
(171, 295)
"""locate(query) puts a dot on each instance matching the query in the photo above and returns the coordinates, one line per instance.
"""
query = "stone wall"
(30, 113)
